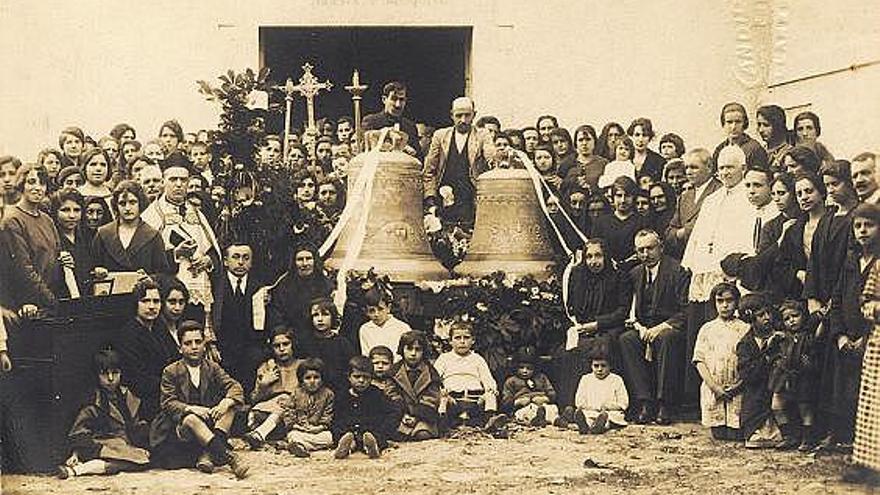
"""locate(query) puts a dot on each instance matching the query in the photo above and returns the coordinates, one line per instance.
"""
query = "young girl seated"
(715, 359)
(307, 412)
(419, 385)
(108, 434)
(528, 393)
(601, 398)
(470, 393)
(323, 341)
(276, 380)
(794, 375)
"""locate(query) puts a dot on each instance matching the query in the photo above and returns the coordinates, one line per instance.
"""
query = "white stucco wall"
(96, 63)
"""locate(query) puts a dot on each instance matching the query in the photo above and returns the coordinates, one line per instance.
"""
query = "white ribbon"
(540, 184)
(358, 203)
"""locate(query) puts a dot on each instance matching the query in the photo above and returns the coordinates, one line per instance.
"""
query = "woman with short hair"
(128, 244)
(33, 245)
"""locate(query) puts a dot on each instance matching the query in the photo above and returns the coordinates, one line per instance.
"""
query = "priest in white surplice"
(726, 225)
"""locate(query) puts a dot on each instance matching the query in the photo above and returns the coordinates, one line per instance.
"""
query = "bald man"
(457, 155)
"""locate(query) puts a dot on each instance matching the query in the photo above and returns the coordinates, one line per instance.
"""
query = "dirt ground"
(638, 459)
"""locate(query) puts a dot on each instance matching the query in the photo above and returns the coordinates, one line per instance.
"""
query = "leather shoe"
(644, 416)
(663, 416)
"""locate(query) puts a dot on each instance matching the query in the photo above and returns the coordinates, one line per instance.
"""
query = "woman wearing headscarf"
(304, 281)
(599, 300)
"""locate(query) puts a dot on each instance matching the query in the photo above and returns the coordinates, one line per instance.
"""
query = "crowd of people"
(738, 280)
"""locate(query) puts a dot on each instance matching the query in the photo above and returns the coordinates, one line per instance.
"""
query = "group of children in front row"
(322, 401)
(754, 375)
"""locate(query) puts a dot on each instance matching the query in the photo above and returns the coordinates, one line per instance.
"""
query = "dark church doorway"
(433, 62)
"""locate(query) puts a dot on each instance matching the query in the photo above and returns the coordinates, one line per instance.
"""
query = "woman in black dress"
(128, 244)
(599, 301)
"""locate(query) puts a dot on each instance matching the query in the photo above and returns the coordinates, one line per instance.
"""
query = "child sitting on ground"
(470, 393)
(419, 385)
(794, 375)
(108, 435)
(383, 359)
(757, 427)
(307, 412)
(198, 403)
(528, 393)
(601, 398)
(383, 328)
(715, 359)
(323, 341)
(275, 380)
(363, 418)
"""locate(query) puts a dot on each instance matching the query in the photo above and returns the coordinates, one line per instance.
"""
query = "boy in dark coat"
(198, 403)
(364, 417)
(753, 356)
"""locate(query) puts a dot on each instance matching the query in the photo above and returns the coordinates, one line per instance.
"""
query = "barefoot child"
(307, 412)
(715, 359)
(528, 394)
(363, 418)
(108, 435)
(601, 398)
(276, 380)
(198, 402)
(419, 385)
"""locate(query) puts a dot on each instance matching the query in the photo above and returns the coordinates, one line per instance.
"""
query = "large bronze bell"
(394, 242)
(511, 233)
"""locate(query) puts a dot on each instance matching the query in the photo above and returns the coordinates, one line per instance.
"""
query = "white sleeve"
(486, 378)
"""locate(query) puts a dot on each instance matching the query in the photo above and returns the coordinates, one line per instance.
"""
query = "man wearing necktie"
(241, 347)
(394, 96)
(653, 346)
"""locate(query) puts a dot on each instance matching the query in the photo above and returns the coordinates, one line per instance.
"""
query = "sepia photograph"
(439, 246)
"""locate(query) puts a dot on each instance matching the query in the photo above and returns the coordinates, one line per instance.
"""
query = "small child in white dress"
(601, 398)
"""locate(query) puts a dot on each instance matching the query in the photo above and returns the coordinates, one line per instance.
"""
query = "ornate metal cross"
(308, 87)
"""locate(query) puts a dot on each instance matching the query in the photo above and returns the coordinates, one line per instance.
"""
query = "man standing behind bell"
(457, 156)
(394, 102)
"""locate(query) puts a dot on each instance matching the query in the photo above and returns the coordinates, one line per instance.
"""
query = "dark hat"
(525, 355)
(66, 172)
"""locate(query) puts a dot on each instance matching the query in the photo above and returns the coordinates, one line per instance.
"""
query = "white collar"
(233, 280)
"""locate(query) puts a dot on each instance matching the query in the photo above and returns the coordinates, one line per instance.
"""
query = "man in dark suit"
(241, 347)
(458, 155)
(393, 103)
(698, 169)
(653, 347)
